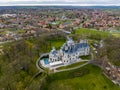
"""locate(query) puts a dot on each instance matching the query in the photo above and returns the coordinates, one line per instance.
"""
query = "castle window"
(68, 56)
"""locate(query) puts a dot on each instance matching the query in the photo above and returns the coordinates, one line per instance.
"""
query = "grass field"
(86, 78)
(57, 43)
(116, 35)
(47, 46)
(92, 33)
(20, 31)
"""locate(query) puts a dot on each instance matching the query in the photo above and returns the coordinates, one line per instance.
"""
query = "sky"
(61, 2)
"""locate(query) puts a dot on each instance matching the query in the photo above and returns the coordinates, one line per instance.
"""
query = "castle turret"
(53, 55)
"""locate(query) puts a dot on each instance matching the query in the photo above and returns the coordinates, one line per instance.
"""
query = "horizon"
(61, 5)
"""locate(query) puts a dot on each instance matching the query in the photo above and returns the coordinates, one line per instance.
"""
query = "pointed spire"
(68, 38)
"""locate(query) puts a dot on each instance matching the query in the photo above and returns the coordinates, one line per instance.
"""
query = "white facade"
(69, 52)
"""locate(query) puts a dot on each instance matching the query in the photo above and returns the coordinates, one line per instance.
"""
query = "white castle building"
(69, 53)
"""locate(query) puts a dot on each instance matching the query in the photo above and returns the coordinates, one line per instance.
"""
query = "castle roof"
(72, 48)
(54, 51)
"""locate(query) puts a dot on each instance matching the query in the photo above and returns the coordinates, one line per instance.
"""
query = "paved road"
(92, 58)
(37, 65)
(55, 71)
(71, 68)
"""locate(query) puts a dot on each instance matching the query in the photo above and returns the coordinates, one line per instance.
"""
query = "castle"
(69, 53)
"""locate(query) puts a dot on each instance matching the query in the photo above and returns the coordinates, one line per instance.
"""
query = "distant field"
(86, 78)
(116, 34)
(92, 33)
(20, 31)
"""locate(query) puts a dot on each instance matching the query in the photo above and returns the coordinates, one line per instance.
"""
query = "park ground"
(89, 77)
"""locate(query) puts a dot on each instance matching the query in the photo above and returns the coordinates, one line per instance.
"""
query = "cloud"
(74, 2)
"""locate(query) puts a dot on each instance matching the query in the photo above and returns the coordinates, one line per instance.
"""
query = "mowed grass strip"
(89, 77)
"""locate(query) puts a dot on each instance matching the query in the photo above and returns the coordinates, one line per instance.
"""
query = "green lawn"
(57, 43)
(3, 32)
(87, 57)
(47, 44)
(92, 33)
(88, 77)
(14, 31)
(54, 43)
(71, 66)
